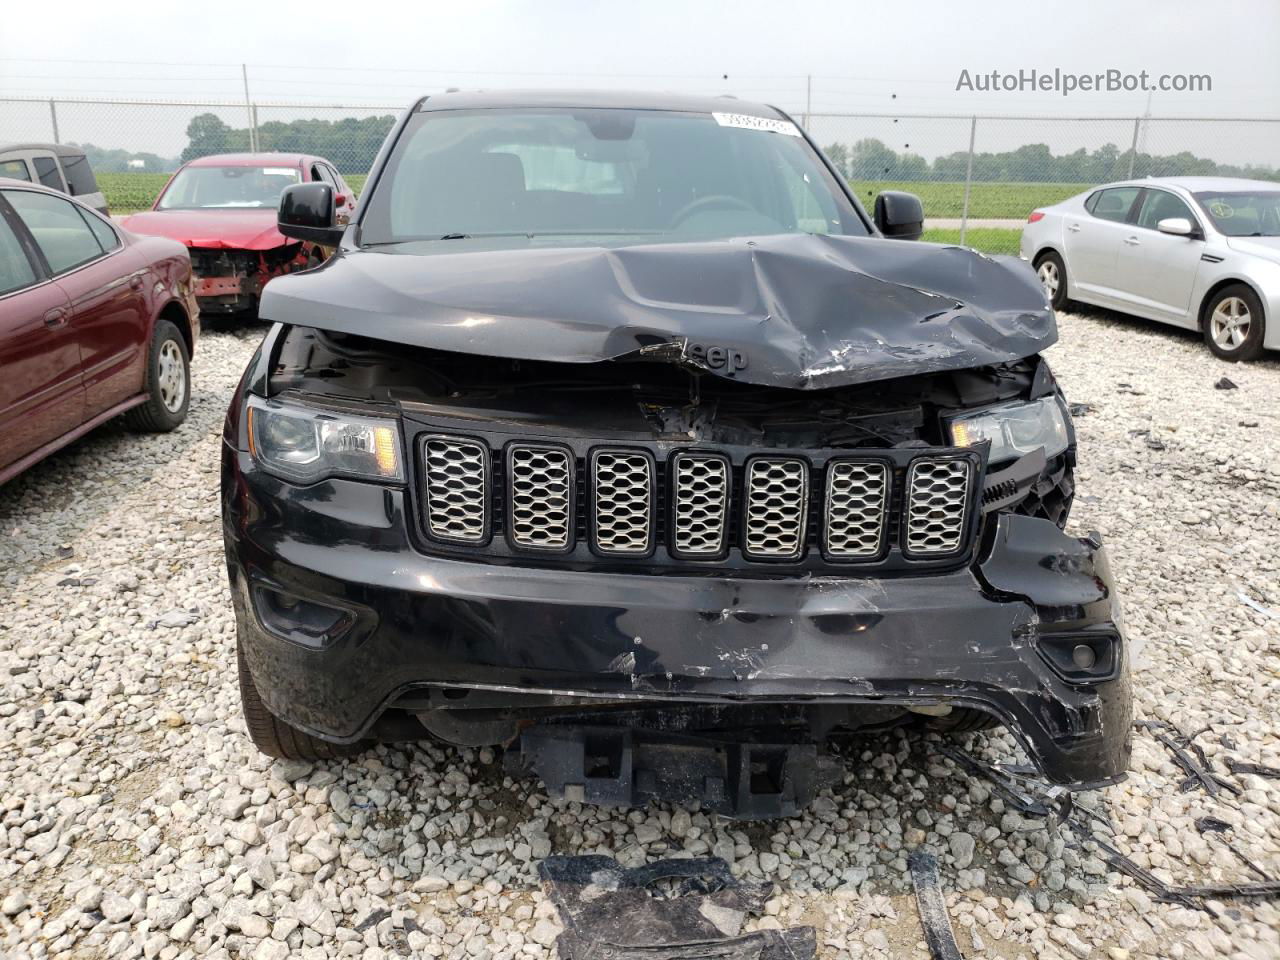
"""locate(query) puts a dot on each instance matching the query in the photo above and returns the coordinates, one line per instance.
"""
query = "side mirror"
(899, 215)
(1177, 226)
(307, 212)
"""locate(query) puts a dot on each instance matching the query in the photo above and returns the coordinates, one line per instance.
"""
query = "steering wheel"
(709, 202)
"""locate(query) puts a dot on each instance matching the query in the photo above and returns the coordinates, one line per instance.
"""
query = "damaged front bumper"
(340, 617)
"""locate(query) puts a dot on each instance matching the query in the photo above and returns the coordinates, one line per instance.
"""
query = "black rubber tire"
(153, 416)
(1251, 349)
(274, 737)
(963, 720)
(1059, 300)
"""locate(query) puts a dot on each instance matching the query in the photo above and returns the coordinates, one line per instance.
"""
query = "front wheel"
(167, 383)
(1233, 323)
(1052, 274)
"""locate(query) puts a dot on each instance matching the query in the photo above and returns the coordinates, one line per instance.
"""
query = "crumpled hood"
(225, 228)
(1266, 247)
(794, 311)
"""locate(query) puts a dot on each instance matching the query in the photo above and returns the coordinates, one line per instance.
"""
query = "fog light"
(1083, 656)
(302, 621)
(1091, 657)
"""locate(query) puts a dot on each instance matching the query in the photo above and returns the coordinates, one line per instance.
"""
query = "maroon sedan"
(94, 322)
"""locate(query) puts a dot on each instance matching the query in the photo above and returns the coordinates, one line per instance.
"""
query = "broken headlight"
(1014, 429)
(305, 444)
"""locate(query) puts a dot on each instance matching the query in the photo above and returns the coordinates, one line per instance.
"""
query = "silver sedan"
(1197, 252)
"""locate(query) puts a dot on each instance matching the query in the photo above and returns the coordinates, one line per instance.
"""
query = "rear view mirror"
(1176, 226)
(899, 216)
(307, 212)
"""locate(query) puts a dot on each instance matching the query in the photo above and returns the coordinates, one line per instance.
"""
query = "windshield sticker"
(757, 123)
(280, 172)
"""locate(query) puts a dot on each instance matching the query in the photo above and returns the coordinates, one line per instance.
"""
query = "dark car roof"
(61, 149)
(588, 99)
(251, 160)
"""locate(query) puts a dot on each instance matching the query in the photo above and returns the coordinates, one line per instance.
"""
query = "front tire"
(273, 736)
(167, 384)
(1234, 324)
(1052, 274)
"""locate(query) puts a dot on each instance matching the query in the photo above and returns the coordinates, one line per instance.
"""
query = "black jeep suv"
(615, 432)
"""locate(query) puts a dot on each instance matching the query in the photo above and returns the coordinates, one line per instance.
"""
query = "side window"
(15, 268)
(60, 231)
(15, 170)
(47, 171)
(321, 173)
(339, 185)
(1092, 200)
(106, 236)
(1158, 205)
(1114, 203)
(80, 181)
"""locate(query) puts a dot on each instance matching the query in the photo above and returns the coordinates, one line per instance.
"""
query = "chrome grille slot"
(700, 505)
(937, 506)
(856, 502)
(456, 489)
(622, 502)
(775, 507)
(540, 493)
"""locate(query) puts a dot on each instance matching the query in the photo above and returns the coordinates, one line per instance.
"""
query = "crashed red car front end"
(222, 208)
(233, 252)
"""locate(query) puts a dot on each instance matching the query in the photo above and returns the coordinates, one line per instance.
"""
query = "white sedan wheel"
(1229, 323)
(1049, 278)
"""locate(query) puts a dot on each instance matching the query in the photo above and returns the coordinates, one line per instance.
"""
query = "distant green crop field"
(128, 192)
(1011, 201)
(986, 239)
(131, 192)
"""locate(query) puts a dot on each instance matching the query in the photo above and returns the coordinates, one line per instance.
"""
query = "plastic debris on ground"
(692, 909)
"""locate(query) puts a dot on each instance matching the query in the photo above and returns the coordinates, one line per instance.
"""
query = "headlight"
(305, 445)
(1014, 429)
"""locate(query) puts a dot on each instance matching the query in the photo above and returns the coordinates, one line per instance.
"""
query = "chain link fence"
(971, 172)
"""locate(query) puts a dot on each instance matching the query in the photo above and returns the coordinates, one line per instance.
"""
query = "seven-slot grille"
(856, 510)
(623, 503)
(937, 496)
(541, 512)
(457, 489)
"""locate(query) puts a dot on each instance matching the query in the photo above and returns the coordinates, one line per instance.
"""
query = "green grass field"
(130, 192)
(1012, 201)
(986, 239)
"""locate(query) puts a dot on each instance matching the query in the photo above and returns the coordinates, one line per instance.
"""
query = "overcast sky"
(881, 56)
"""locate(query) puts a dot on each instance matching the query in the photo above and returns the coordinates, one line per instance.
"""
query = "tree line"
(872, 159)
(350, 143)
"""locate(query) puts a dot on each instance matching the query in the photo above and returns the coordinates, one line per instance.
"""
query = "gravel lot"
(138, 821)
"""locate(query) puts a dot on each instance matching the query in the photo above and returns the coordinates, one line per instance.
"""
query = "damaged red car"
(223, 209)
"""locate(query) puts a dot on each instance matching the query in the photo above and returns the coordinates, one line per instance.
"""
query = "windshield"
(1251, 213)
(547, 172)
(199, 187)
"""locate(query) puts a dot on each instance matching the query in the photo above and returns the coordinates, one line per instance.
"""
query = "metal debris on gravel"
(139, 822)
